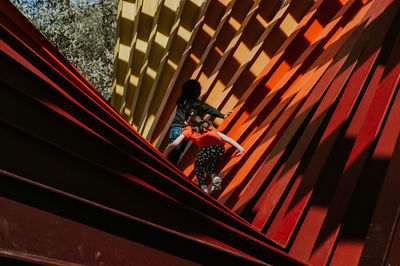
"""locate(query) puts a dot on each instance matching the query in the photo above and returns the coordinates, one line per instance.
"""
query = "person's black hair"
(196, 121)
(191, 89)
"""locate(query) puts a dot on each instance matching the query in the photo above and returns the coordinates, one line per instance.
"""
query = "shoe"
(216, 184)
(204, 188)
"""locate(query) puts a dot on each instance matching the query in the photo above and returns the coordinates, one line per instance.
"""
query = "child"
(211, 144)
(188, 99)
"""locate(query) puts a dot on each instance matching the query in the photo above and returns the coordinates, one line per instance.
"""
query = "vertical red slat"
(355, 162)
(315, 96)
(302, 189)
(287, 171)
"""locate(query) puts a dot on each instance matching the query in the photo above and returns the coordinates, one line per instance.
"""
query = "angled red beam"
(31, 152)
(302, 189)
(111, 170)
(320, 88)
(272, 194)
(301, 56)
(48, 210)
(44, 223)
(304, 240)
(283, 226)
(276, 69)
(355, 163)
(53, 62)
(102, 122)
(96, 126)
(352, 240)
(246, 102)
(381, 231)
(122, 161)
(312, 68)
(275, 80)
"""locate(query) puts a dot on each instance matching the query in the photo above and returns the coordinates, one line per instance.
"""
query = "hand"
(239, 152)
(227, 114)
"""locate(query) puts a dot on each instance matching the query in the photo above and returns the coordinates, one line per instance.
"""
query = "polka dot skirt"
(207, 158)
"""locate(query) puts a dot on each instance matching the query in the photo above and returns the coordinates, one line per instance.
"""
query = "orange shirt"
(208, 138)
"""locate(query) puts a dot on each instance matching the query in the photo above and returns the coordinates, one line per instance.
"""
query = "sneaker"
(216, 183)
(204, 188)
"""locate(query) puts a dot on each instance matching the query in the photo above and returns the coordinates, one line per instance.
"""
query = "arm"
(175, 143)
(232, 142)
(205, 108)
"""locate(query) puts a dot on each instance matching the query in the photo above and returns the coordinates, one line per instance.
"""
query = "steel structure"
(313, 86)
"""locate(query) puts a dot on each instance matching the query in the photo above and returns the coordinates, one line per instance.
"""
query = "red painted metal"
(319, 124)
(55, 240)
(301, 115)
(301, 191)
(383, 222)
(62, 138)
(288, 170)
(356, 160)
(282, 90)
(367, 191)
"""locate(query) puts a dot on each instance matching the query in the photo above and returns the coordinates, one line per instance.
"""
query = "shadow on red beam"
(188, 242)
(50, 216)
(51, 156)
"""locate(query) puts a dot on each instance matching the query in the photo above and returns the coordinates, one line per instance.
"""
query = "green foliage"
(82, 30)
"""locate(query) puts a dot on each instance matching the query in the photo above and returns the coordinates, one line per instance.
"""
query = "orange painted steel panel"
(273, 132)
(324, 102)
(315, 96)
(265, 204)
(261, 108)
(240, 77)
(305, 54)
(313, 31)
(62, 108)
(356, 160)
(276, 70)
(285, 176)
(229, 41)
(246, 100)
(278, 67)
(314, 170)
(303, 240)
(188, 169)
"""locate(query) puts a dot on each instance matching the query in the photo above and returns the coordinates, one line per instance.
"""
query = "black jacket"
(179, 119)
